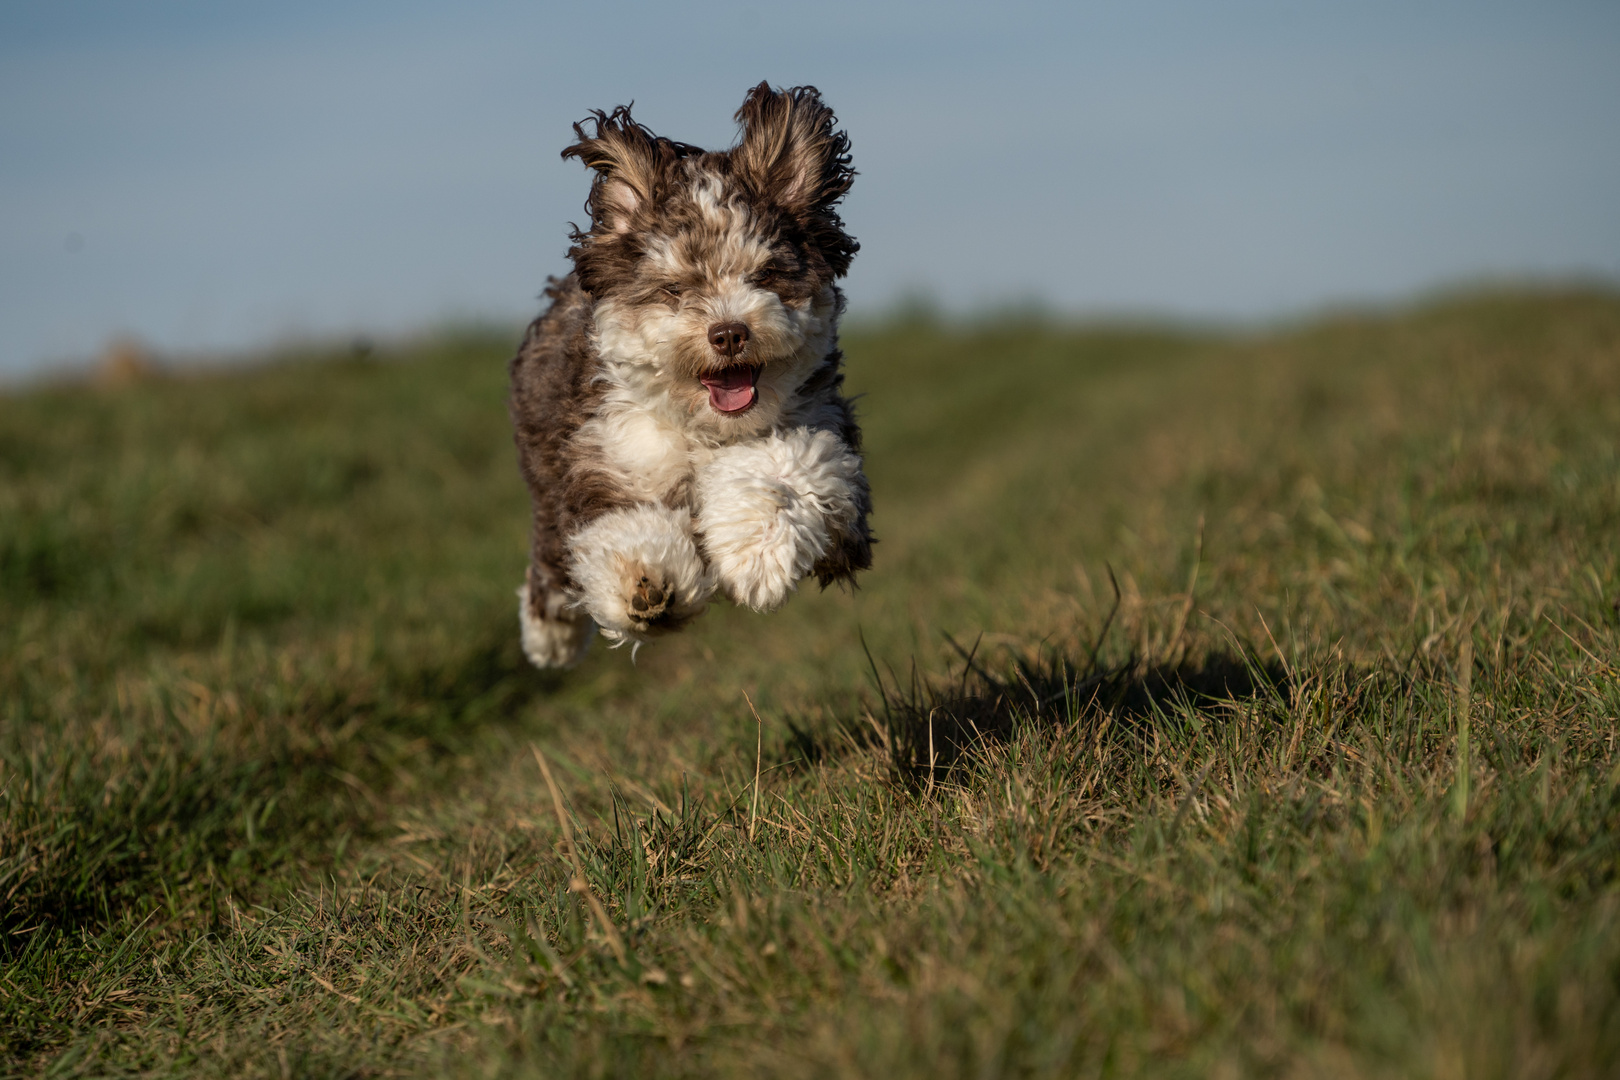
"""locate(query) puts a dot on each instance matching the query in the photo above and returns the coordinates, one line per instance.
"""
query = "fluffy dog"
(678, 408)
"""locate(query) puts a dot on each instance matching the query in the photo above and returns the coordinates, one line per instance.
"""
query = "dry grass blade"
(1192, 594)
(579, 883)
(759, 757)
(1465, 681)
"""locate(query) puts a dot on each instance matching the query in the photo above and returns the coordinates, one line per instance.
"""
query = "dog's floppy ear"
(789, 152)
(629, 162)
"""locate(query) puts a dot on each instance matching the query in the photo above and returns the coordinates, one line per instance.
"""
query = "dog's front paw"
(768, 510)
(637, 572)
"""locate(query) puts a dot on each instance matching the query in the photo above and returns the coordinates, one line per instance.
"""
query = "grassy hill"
(1218, 704)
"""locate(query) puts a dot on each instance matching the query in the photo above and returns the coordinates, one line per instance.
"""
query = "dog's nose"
(729, 338)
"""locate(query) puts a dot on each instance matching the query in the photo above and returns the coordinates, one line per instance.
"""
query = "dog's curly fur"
(678, 408)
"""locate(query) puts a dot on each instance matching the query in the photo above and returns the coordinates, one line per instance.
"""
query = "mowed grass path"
(1236, 705)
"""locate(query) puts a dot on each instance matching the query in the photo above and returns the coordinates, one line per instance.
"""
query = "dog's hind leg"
(555, 635)
(637, 571)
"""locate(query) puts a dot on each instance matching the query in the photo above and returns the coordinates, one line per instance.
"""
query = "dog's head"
(713, 274)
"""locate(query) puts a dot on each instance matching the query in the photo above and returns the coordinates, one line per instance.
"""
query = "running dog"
(678, 408)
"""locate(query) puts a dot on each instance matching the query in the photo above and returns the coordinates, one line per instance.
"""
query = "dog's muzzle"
(733, 389)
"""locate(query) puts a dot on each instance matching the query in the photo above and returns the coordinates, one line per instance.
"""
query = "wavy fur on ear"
(792, 155)
(629, 161)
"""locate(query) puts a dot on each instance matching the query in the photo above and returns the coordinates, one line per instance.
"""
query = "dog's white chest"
(649, 456)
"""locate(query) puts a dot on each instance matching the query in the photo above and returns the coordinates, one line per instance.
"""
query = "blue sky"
(217, 176)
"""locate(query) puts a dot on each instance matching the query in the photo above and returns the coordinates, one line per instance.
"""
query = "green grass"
(1218, 704)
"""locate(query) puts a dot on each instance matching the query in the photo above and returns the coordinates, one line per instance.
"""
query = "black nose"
(729, 338)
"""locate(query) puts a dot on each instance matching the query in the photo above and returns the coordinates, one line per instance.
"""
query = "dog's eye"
(766, 276)
(671, 289)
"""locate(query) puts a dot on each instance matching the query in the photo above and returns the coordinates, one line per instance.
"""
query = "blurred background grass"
(260, 668)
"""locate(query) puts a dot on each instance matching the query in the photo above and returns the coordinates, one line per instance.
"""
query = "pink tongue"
(732, 390)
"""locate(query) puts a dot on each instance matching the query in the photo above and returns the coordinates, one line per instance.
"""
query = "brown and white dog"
(678, 409)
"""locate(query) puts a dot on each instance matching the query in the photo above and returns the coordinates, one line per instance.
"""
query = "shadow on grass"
(89, 833)
(937, 726)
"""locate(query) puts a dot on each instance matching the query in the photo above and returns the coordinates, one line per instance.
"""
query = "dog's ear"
(789, 152)
(629, 162)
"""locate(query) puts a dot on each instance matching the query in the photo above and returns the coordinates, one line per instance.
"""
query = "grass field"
(1218, 705)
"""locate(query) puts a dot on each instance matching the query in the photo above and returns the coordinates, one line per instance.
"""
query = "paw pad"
(647, 599)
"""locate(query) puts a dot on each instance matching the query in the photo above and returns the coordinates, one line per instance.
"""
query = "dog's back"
(553, 393)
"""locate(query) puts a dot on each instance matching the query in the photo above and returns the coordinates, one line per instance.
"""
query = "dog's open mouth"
(734, 389)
